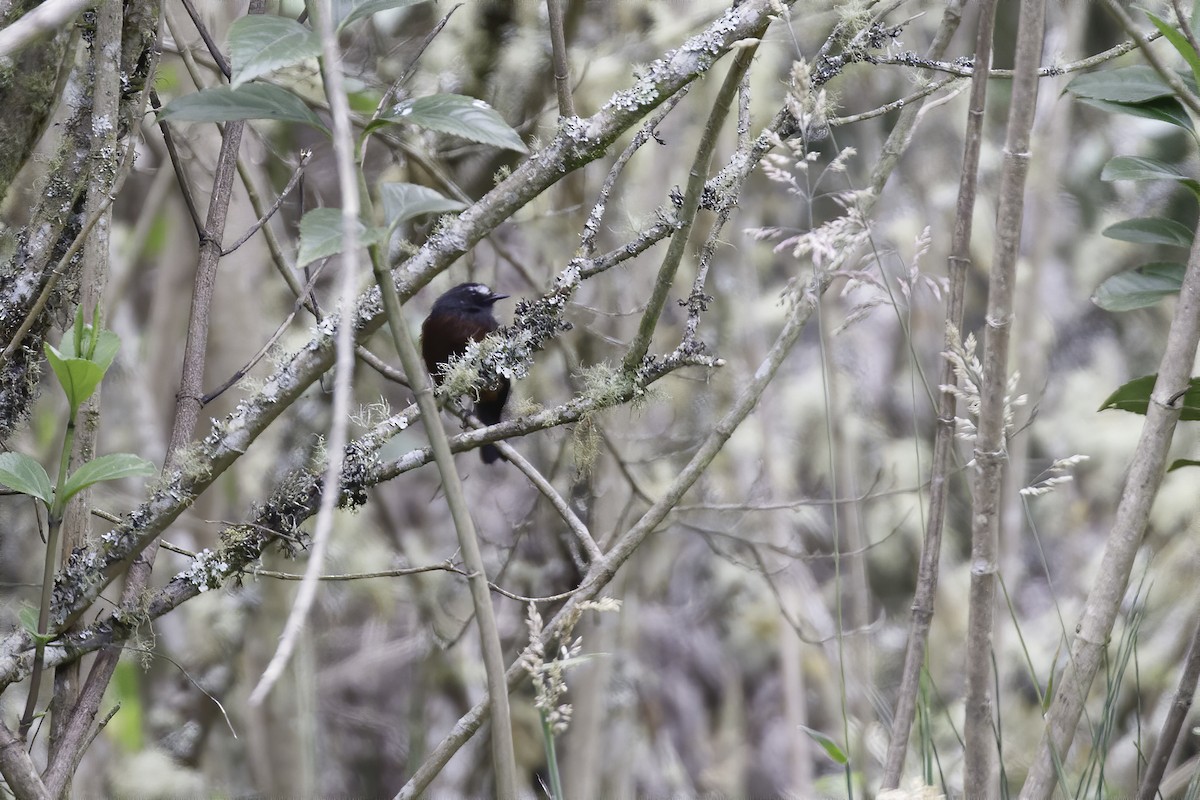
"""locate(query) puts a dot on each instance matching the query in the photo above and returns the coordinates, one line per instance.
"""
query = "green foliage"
(346, 12)
(1140, 287)
(1134, 396)
(458, 115)
(321, 235)
(1150, 230)
(405, 201)
(251, 101)
(831, 748)
(262, 43)
(111, 467)
(22, 474)
(81, 359)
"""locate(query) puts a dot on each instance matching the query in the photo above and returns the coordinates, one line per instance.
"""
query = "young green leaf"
(1141, 287)
(1134, 397)
(28, 617)
(22, 474)
(830, 747)
(252, 101)
(403, 201)
(458, 115)
(1180, 463)
(78, 376)
(1151, 230)
(262, 43)
(105, 468)
(360, 9)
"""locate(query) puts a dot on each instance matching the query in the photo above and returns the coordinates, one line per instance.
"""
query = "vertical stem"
(562, 69)
(990, 444)
(1180, 705)
(943, 448)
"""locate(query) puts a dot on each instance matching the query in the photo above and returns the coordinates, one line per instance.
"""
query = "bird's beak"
(496, 297)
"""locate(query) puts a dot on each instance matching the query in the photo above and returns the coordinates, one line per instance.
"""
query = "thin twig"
(177, 164)
(209, 42)
(305, 156)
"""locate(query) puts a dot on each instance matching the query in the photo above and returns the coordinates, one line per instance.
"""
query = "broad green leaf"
(1163, 109)
(1179, 42)
(1138, 168)
(403, 201)
(252, 101)
(1123, 85)
(1134, 397)
(1151, 230)
(1180, 463)
(830, 747)
(458, 115)
(1141, 287)
(78, 376)
(360, 9)
(321, 235)
(22, 474)
(105, 468)
(262, 43)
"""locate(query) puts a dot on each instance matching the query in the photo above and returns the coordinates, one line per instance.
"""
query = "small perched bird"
(462, 315)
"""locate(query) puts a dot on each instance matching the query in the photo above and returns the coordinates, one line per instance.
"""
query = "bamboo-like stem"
(931, 546)
(991, 455)
(562, 69)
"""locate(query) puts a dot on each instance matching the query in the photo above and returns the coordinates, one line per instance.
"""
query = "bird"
(462, 315)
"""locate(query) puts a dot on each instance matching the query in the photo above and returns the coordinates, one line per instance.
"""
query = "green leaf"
(321, 235)
(830, 747)
(1163, 109)
(1180, 43)
(78, 376)
(28, 616)
(403, 201)
(1134, 397)
(1138, 168)
(252, 101)
(22, 474)
(1134, 84)
(105, 468)
(365, 8)
(262, 43)
(1180, 463)
(1151, 230)
(458, 115)
(106, 345)
(1141, 287)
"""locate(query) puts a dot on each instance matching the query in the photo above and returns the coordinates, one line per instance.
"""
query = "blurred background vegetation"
(777, 593)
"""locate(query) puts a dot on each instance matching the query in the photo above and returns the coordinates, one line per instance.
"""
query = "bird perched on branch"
(463, 315)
